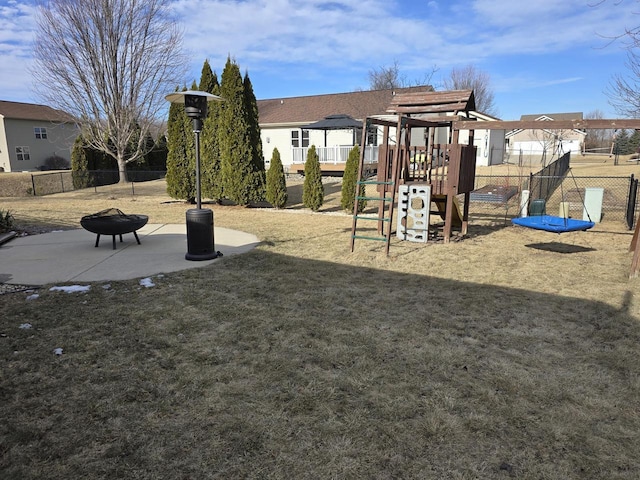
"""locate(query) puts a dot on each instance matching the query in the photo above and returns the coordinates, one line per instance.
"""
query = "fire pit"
(113, 222)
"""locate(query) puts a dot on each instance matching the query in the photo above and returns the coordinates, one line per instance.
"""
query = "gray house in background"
(30, 134)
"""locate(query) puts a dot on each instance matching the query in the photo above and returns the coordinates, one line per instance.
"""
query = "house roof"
(542, 117)
(553, 116)
(31, 111)
(312, 108)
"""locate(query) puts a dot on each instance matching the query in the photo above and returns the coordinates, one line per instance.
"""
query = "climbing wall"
(413, 212)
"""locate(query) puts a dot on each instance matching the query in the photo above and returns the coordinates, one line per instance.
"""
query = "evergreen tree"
(180, 156)
(80, 164)
(312, 188)
(276, 183)
(211, 182)
(623, 146)
(233, 135)
(240, 180)
(349, 180)
(157, 157)
(634, 142)
(257, 182)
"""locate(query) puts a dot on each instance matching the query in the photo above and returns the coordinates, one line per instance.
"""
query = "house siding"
(5, 161)
(20, 133)
(280, 137)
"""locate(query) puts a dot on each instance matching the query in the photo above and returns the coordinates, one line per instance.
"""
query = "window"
(23, 153)
(295, 138)
(372, 136)
(41, 132)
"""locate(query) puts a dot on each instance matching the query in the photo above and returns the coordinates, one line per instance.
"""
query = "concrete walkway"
(70, 255)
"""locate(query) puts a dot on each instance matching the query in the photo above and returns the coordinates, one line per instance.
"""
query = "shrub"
(80, 164)
(276, 182)
(56, 162)
(349, 181)
(6, 221)
(312, 189)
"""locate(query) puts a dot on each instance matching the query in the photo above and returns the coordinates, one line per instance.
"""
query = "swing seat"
(549, 223)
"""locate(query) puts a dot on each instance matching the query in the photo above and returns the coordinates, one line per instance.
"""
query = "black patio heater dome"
(200, 238)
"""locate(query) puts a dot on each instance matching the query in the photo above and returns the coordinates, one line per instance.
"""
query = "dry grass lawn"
(510, 354)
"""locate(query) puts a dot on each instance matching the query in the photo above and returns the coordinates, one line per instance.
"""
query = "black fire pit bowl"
(113, 222)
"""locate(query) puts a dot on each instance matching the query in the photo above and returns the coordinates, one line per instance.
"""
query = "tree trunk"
(122, 171)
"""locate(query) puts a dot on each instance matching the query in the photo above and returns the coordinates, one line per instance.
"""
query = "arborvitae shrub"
(276, 182)
(312, 189)
(349, 180)
(80, 165)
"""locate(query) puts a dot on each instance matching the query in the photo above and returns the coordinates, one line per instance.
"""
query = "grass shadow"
(559, 247)
(332, 371)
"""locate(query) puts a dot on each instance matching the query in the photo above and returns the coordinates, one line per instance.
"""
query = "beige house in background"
(545, 143)
(282, 121)
(30, 133)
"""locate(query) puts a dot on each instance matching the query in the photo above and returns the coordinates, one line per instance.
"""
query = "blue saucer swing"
(549, 223)
(539, 220)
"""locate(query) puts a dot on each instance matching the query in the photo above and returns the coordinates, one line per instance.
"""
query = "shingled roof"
(31, 111)
(312, 108)
(554, 116)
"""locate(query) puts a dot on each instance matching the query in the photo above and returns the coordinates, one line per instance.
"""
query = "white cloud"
(17, 29)
(266, 35)
(336, 42)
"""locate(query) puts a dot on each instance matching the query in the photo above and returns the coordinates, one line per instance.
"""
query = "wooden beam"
(604, 124)
(425, 108)
(434, 98)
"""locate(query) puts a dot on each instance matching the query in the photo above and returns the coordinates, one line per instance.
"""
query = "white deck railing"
(334, 155)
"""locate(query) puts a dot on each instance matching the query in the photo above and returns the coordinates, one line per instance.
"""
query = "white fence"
(334, 155)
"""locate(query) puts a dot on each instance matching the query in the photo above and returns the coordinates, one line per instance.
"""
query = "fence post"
(62, 182)
(33, 185)
(631, 201)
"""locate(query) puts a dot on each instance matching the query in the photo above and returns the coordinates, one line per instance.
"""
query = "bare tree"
(108, 63)
(383, 78)
(551, 143)
(470, 78)
(624, 89)
(598, 140)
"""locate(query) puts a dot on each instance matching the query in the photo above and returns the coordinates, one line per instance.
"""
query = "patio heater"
(200, 239)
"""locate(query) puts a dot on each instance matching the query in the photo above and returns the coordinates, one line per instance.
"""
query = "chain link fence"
(619, 201)
(495, 198)
(67, 181)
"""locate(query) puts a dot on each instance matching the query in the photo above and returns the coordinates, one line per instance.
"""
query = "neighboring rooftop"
(553, 116)
(31, 111)
(312, 108)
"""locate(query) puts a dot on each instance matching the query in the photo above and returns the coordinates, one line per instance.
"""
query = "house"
(30, 134)
(490, 143)
(283, 122)
(545, 143)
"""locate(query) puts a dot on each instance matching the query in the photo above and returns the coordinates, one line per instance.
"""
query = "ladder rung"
(383, 199)
(380, 219)
(361, 237)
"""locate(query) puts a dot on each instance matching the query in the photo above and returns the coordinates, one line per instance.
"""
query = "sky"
(542, 56)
